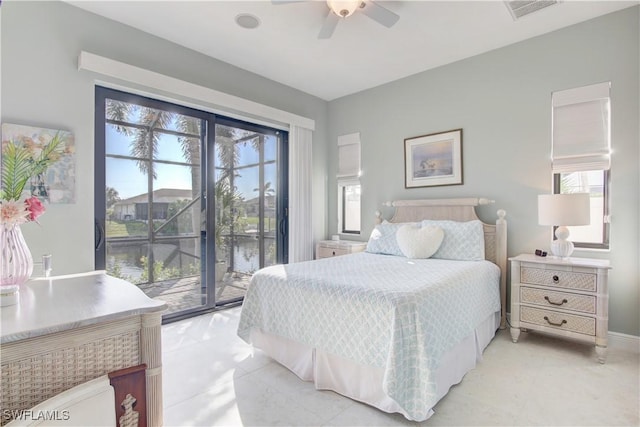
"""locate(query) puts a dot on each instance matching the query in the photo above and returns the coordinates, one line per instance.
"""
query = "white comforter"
(382, 311)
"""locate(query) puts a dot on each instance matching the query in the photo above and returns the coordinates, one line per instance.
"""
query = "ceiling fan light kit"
(343, 8)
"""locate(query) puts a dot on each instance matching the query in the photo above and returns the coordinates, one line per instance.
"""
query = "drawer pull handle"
(556, 279)
(334, 253)
(564, 301)
(554, 324)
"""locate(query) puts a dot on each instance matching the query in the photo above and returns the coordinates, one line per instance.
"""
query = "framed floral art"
(56, 183)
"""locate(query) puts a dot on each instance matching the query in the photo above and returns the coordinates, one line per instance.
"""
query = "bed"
(392, 331)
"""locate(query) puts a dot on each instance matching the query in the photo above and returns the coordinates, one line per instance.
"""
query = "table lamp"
(562, 210)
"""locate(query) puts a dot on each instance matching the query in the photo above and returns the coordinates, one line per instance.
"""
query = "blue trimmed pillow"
(383, 238)
(462, 240)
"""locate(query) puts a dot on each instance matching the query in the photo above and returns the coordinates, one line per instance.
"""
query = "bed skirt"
(364, 383)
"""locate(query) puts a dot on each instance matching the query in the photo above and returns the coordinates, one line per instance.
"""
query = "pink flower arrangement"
(19, 165)
(14, 212)
(34, 207)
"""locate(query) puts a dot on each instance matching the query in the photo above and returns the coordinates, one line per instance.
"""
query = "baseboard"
(615, 339)
(624, 342)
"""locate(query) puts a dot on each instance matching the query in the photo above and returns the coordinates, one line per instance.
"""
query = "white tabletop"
(67, 302)
(572, 261)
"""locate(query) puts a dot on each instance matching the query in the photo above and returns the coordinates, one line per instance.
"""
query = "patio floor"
(184, 293)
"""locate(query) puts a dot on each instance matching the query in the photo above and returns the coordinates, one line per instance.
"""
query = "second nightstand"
(329, 248)
(564, 297)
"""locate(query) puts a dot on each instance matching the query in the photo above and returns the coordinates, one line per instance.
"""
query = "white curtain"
(300, 181)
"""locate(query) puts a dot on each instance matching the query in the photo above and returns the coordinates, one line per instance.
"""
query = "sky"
(125, 176)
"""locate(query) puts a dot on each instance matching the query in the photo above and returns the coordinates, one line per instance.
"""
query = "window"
(595, 235)
(349, 194)
(581, 156)
(349, 184)
(155, 163)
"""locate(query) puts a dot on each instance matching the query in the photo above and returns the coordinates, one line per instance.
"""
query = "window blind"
(581, 137)
(349, 156)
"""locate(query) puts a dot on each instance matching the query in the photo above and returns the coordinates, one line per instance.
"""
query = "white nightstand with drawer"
(329, 248)
(563, 297)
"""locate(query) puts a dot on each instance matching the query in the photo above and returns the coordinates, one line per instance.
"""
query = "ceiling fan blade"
(380, 14)
(329, 25)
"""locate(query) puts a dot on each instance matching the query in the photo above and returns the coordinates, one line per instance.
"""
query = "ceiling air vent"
(518, 9)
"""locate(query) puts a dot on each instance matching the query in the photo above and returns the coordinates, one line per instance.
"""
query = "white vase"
(16, 262)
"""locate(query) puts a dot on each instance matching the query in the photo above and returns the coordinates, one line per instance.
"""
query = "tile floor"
(212, 378)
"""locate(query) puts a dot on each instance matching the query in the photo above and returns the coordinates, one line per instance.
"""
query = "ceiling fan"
(341, 9)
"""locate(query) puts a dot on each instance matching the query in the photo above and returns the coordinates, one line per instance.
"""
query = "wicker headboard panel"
(495, 235)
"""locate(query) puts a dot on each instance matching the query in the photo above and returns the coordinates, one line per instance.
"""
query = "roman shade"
(349, 156)
(581, 125)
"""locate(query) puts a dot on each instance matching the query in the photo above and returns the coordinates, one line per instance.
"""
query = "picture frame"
(57, 184)
(433, 160)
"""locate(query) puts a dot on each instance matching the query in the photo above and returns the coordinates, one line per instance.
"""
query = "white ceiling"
(361, 54)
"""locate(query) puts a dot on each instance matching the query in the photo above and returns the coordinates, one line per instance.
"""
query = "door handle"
(99, 234)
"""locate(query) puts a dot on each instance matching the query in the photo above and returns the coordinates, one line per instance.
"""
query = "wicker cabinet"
(66, 331)
(567, 298)
(330, 248)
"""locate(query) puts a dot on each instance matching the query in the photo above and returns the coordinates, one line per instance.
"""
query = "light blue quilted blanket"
(384, 311)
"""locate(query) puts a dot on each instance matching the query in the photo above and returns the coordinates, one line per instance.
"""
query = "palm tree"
(266, 189)
(112, 197)
(145, 126)
(265, 193)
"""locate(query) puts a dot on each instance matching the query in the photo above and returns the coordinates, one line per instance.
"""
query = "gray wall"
(41, 86)
(502, 100)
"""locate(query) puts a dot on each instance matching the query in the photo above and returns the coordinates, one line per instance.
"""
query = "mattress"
(394, 315)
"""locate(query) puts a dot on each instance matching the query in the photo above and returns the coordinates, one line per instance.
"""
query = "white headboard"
(495, 235)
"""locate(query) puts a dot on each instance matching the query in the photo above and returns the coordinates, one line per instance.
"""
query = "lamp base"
(561, 247)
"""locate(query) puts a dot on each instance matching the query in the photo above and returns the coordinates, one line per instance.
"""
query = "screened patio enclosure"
(160, 231)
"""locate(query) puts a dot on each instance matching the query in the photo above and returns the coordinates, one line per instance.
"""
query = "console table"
(68, 330)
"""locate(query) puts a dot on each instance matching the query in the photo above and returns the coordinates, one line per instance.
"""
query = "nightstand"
(329, 248)
(563, 297)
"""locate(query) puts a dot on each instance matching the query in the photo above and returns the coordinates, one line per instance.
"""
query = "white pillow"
(419, 242)
(462, 240)
(383, 238)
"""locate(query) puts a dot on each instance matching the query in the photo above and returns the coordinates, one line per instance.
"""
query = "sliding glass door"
(156, 163)
(250, 199)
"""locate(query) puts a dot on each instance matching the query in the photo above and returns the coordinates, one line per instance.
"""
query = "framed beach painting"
(58, 183)
(434, 159)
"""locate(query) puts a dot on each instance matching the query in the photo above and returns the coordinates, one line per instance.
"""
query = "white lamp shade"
(564, 209)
